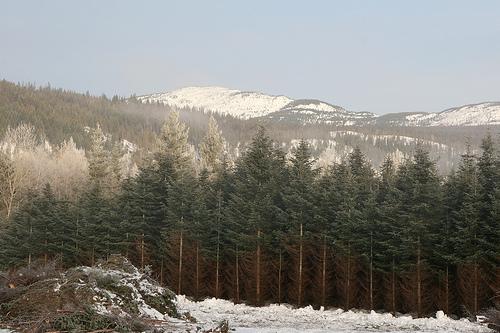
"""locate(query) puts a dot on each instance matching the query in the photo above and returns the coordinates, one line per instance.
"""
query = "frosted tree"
(21, 137)
(17, 142)
(98, 158)
(175, 162)
(71, 169)
(173, 144)
(212, 146)
(8, 184)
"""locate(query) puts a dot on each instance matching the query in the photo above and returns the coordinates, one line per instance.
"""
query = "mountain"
(247, 105)
(240, 104)
(481, 114)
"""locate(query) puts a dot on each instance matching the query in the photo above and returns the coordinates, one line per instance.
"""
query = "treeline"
(59, 114)
(271, 227)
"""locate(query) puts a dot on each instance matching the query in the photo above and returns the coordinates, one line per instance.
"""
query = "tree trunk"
(76, 237)
(29, 254)
(45, 255)
(279, 277)
(61, 254)
(348, 282)
(475, 287)
(126, 246)
(237, 277)
(197, 270)
(161, 273)
(447, 290)
(323, 276)
(371, 271)
(179, 285)
(10, 199)
(299, 299)
(419, 281)
(257, 277)
(217, 266)
(142, 252)
(393, 286)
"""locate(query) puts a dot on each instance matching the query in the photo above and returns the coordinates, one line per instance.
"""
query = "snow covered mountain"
(467, 115)
(246, 105)
(481, 114)
(221, 100)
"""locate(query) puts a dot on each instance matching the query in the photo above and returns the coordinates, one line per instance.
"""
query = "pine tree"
(98, 158)
(461, 217)
(175, 151)
(387, 230)
(253, 208)
(419, 186)
(362, 214)
(143, 204)
(489, 182)
(300, 207)
(212, 146)
(21, 227)
(173, 145)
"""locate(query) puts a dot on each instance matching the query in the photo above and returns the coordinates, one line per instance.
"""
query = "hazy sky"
(379, 56)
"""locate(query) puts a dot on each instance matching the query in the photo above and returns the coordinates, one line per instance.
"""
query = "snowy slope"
(285, 319)
(237, 103)
(468, 115)
(246, 105)
(481, 114)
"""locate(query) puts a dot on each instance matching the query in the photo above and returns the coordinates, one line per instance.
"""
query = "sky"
(379, 56)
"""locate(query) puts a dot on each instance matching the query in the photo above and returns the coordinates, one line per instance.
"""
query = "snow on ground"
(284, 318)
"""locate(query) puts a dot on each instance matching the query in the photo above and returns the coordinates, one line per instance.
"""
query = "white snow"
(221, 100)
(245, 105)
(467, 115)
(319, 106)
(284, 318)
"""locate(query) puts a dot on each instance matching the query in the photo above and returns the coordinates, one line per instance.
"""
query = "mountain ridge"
(253, 104)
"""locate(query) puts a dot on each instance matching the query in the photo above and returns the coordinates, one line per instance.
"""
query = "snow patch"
(284, 318)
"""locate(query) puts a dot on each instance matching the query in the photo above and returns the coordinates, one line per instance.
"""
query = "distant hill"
(246, 105)
(331, 130)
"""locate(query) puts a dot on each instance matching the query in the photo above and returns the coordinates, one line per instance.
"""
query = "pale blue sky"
(380, 56)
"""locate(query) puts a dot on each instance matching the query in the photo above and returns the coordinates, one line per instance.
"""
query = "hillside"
(246, 105)
(331, 130)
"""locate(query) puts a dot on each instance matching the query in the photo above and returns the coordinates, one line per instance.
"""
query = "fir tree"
(212, 146)
(419, 209)
(298, 199)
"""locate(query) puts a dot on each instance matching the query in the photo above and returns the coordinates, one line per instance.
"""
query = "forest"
(58, 115)
(269, 226)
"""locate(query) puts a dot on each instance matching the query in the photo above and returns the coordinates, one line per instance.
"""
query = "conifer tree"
(300, 207)
(420, 211)
(98, 158)
(175, 151)
(212, 146)
(387, 229)
(253, 205)
(362, 227)
(143, 203)
(489, 182)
